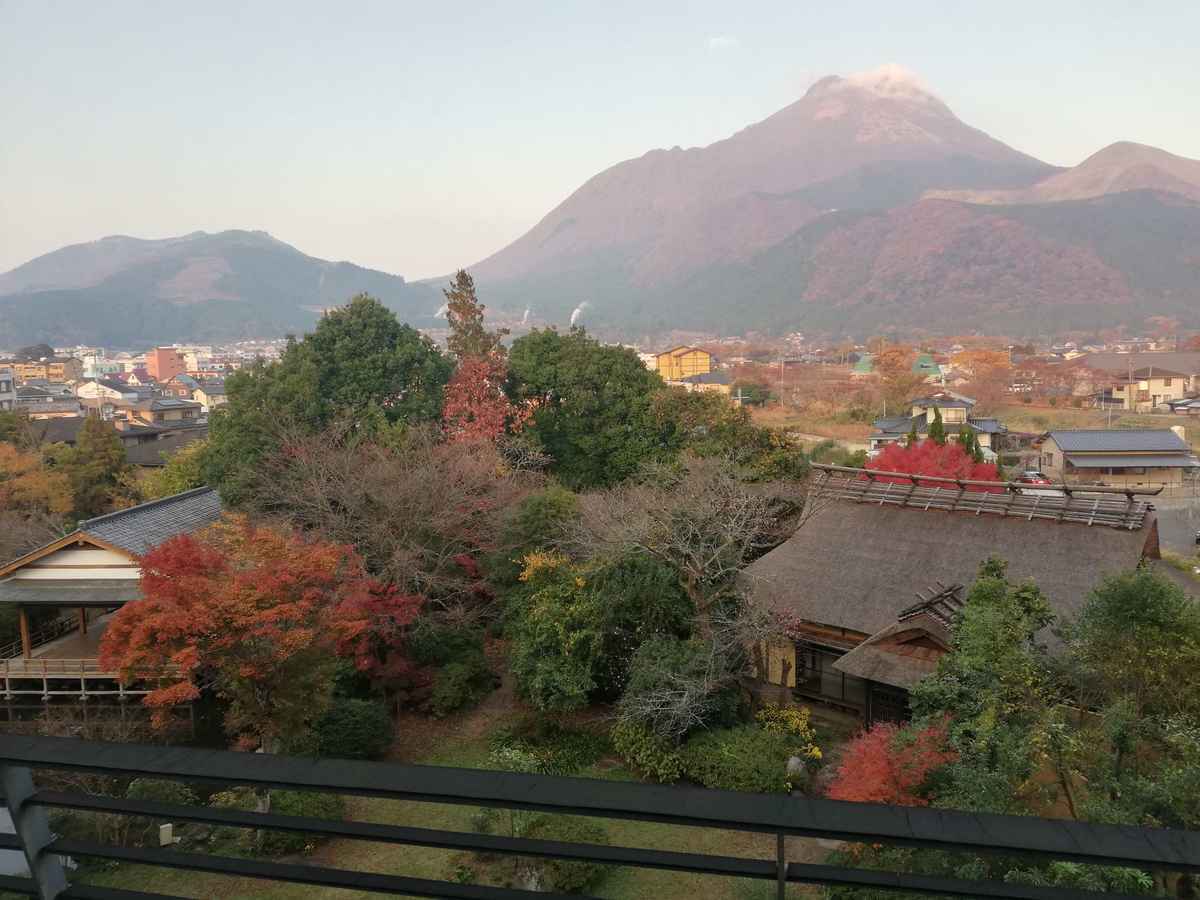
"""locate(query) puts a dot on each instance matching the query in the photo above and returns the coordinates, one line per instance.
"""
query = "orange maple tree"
(259, 615)
(928, 457)
(886, 765)
(475, 406)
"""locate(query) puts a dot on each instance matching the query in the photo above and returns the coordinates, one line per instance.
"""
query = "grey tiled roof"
(139, 528)
(1120, 440)
(1134, 460)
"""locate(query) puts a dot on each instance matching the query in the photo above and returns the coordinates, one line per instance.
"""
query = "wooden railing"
(81, 678)
(42, 634)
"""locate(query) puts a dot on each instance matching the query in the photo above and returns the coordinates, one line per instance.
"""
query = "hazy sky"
(417, 137)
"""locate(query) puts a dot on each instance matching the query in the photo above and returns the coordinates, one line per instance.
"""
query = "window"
(1050, 460)
(1166, 382)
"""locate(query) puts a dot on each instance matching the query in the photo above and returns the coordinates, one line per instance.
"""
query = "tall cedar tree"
(258, 615)
(476, 406)
(927, 457)
(464, 315)
(95, 467)
(937, 428)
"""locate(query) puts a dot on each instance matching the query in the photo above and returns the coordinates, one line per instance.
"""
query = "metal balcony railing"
(780, 815)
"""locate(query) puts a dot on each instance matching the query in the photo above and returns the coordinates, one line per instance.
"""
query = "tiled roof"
(1134, 460)
(708, 378)
(139, 528)
(1120, 440)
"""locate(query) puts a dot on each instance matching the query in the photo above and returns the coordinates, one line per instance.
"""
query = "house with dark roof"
(65, 591)
(717, 382)
(956, 412)
(1118, 456)
(867, 587)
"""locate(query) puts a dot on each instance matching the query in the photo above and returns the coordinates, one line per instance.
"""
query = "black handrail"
(782, 815)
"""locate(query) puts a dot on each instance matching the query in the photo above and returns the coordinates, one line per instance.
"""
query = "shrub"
(646, 752)
(139, 828)
(433, 642)
(561, 750)
(747, 758)
(561, 875)
(681, 671)
(461, 685)
(354, 729)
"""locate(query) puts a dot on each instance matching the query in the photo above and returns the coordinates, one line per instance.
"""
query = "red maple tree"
(475, 406)
(885, 765)
(928, 457)
(257, 614)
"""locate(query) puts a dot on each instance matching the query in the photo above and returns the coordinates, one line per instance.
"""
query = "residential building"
(179, 386)
(164, 363)
(683, 361)
(109, 389)
(1146, 389)
(210, 395)
(43, 403)
(1118, 457)
(8, 389)
(709, 383)
(163, 411)
(1107, 368)
(49, 369)
(883, 567)
(955, 410)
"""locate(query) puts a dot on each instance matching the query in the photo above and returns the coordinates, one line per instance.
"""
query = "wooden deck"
(67, 667)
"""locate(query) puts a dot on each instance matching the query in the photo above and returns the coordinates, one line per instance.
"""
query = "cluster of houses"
(155, 406)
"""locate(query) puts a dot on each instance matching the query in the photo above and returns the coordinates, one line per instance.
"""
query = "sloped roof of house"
(682, 348)
(1156, 372)
(1121, 363)
(856, 565)
(1120, 440)
(139, 528)
(708, 378)
(156, 453)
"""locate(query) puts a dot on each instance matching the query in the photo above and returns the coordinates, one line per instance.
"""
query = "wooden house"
(65, 591)
(857, 581)
(683, 362)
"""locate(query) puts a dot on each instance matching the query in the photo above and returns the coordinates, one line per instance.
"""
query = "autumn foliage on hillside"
(928, 457)
(259, 615)
(887, 765)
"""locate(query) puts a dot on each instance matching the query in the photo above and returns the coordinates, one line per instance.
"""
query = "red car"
(1032, 477)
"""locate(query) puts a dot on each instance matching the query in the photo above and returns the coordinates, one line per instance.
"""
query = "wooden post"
(82, 620)
(23, 620)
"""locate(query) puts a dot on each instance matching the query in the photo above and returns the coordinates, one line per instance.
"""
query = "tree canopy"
(594, 406)
(464, 315)
(358, 364)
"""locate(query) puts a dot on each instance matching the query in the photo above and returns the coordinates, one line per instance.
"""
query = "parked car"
(1030, 476)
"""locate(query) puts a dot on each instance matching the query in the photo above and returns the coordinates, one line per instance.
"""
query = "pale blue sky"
(416, 137)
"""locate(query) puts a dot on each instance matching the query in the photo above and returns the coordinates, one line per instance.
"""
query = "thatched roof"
(858, 565)
(900, 655)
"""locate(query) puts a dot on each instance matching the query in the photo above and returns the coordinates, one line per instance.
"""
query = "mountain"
(126, 292)
(866, 204)
(1123, 166)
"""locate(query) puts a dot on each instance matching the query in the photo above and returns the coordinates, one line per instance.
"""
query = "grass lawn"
(463, 742)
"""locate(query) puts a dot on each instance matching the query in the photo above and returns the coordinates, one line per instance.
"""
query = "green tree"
(937, 429)
(95, 467)
(595, 406)
(913, 437)
(464, 314)
(996, 688)
(358, 365)
(183, 472)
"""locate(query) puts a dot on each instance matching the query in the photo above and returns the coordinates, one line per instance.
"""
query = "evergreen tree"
(95, 468)
(912, 434)
(937, 430)
(464, 315)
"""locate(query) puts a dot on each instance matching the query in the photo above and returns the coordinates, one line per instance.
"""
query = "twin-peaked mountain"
(865, 204)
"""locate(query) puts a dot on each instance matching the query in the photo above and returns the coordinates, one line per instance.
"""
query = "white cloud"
(723, 42)
(891, 80)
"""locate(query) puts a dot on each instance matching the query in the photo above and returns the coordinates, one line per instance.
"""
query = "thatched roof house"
(875, 546)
